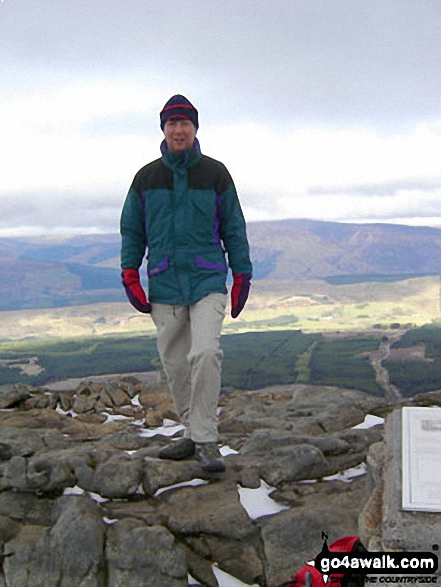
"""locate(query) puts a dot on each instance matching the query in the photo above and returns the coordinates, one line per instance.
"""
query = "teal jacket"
(184, 210)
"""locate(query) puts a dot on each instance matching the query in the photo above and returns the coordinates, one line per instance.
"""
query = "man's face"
(179, 134)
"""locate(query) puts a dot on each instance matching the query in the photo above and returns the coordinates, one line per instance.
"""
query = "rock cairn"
(84, 501)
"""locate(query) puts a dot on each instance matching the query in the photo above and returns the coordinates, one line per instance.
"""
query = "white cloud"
(296, 159)
(70, 159)
(50, 145)
(290, 172)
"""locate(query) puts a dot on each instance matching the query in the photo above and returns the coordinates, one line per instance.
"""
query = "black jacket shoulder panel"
(154, 175)
(209, 174)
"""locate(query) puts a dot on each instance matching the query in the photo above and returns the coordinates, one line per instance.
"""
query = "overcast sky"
(322, 109)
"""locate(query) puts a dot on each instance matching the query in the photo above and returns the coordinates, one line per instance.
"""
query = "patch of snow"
(168, 428)
(226, 450)
(79, 491)
(348, 475)
(109, 521)
(192, 483)
(226, 580)
(139, 422)
(166, 422)
(73, 491)
(115, 418)
(96, 497)
(369, 421)
(59, 410)
(257, 502)
(136, 402)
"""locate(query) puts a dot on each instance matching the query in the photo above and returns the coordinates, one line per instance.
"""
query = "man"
(184, 209)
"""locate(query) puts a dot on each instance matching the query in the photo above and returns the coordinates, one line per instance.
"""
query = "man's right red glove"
(134, 291)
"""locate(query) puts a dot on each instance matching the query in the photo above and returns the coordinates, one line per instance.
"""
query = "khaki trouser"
(188, 344)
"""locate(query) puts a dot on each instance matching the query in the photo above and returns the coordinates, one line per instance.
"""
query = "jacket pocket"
(211, 262)
(155, 268)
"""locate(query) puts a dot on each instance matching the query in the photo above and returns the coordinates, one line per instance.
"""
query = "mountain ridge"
(44, 272)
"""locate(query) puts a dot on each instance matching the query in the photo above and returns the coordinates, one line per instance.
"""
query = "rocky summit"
(85, 502)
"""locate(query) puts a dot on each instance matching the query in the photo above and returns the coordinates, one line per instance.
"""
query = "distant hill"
(44, 272)
(291, 248)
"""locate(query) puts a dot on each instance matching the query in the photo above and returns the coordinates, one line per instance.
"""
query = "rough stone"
(33, 419)
(294, 463)
(303, 409)
(85, 399)
(210, 515)
(28, 563)
(141, 555)
(26, 508)
(117, 396)
(37, 401)
(20, 442)
(211, 509)
(200, 568)
(136, 536)
(292, 537)
(119, 476)
(70, 553)
(8, 530)
(12, 395)
(262, 441)
(159, 473)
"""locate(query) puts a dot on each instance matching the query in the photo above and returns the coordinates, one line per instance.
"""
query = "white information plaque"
(421, 443)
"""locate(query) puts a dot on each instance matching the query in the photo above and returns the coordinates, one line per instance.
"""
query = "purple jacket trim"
(162, 266)
(163, 147)
(208, 265)
(217, 221)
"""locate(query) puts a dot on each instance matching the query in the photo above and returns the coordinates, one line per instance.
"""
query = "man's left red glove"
(239, 292)
(134, 291)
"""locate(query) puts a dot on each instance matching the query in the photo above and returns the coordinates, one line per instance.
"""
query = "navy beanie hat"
(178, 107)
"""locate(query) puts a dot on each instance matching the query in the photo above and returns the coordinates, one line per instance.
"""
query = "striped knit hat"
(178, 107)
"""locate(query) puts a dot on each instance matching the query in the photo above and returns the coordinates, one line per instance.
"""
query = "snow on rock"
(168, 428)
(257, 502)
(226, 580)
(191, 483)
(369, 421)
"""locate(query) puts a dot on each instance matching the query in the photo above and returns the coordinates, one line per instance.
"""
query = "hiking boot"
(178, 450)
(210, 457)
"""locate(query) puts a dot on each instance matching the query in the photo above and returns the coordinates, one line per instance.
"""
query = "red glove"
(239, 292)
(134, 291)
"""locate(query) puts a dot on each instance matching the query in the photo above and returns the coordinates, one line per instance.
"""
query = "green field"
(343, 362)
(296, 331)
(252, 360)
(417, 376)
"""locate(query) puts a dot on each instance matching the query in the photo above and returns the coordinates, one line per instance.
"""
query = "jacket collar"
(182, 160)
